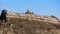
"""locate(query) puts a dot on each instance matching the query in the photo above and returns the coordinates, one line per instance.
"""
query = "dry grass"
(25, 26)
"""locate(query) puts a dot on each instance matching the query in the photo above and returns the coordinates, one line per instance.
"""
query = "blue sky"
(40, 7)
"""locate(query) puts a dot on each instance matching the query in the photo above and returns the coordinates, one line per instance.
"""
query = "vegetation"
(25, 26)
